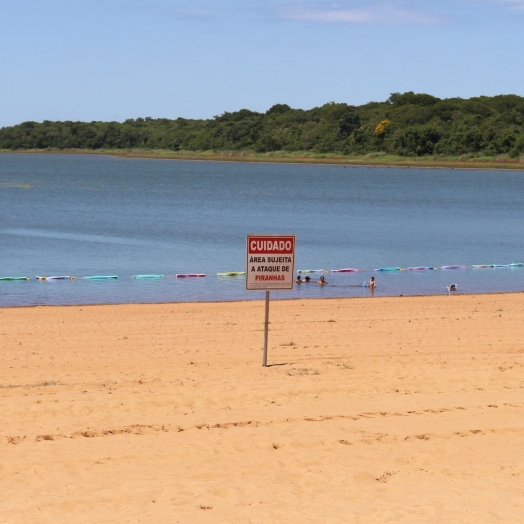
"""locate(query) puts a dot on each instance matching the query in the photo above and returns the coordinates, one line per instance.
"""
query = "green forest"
(407, 124)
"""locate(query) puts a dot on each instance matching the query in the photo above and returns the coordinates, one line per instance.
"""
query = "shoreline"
(248, 301)
(386, 161)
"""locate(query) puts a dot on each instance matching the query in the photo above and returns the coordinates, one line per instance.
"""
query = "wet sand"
(403, 410)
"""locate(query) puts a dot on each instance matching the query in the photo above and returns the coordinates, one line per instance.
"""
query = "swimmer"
(452, 287)
(322, 281)
(298, 280)
(307, 279)
(372, 284)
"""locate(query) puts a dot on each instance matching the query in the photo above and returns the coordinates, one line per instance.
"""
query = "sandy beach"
(390, 410)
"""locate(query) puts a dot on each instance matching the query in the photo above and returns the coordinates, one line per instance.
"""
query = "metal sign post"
(270, 264)
(266, 330)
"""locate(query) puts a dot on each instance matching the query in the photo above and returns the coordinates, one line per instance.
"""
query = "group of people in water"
(308, 280)
(371, 284)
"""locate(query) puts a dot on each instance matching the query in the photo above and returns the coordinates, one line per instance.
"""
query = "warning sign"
(270, 262)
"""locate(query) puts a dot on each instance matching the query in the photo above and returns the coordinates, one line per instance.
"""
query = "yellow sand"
(394, 410)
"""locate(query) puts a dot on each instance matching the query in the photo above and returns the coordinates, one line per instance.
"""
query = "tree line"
(407, 124)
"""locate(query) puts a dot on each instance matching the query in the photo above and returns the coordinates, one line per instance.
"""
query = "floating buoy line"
(101, 277)
(56, 278)
(234, 274)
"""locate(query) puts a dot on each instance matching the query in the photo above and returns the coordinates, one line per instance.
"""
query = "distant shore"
(283, 157)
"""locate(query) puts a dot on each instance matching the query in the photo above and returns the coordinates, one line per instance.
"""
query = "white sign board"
(270, 262)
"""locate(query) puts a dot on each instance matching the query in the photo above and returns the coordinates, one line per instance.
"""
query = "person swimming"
(371, 284)
(298, 280)
(322, 281)
(307, 279)
(452, 287)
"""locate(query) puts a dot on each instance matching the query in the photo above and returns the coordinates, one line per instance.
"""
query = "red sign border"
(268, 287)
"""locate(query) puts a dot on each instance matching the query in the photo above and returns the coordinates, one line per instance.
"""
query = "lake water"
(86, 215)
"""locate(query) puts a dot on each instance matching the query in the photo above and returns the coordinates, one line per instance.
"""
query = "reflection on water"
(101, 238)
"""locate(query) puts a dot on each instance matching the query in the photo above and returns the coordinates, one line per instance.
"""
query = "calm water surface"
(86, 215)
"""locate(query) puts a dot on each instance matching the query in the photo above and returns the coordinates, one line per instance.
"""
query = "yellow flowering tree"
(382, 127)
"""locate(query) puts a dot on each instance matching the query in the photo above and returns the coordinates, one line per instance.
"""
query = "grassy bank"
(284, 157)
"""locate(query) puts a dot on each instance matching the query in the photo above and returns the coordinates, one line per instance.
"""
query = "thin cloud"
(364, 12)
(377, 14)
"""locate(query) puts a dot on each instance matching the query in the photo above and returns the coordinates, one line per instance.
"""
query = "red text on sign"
(260, 245)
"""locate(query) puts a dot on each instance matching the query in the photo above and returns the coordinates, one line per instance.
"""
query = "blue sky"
(117, 59)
